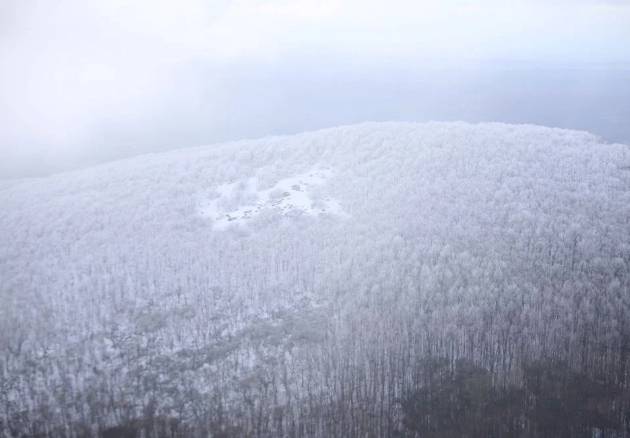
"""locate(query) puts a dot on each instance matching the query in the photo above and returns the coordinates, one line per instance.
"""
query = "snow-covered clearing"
(240, 201)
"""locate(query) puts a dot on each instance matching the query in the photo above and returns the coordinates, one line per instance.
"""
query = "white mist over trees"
(498, 245)
(87, 81)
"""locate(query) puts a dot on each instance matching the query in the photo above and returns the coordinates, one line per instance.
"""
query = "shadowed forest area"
(443, 399)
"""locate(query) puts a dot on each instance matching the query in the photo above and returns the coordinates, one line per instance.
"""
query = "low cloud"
(73, 69)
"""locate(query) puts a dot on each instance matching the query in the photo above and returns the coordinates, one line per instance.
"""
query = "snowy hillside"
(242, 283)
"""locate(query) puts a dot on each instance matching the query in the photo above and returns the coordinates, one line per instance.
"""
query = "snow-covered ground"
(240, 201)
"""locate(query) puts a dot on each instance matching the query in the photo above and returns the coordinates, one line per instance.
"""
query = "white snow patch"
(241, 201)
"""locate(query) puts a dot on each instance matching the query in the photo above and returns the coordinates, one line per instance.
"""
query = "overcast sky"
(83, 81)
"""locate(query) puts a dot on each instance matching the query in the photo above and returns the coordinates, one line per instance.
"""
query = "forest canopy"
(431, 277)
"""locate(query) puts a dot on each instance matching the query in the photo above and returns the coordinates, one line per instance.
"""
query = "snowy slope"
(228, 256)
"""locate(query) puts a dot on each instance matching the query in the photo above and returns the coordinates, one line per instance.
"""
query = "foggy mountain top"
(87, 82)
(315, 218)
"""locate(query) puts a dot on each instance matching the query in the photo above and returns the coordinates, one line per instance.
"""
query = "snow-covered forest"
(382, 279)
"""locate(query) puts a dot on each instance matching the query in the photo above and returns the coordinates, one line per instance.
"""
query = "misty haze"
(315, 218)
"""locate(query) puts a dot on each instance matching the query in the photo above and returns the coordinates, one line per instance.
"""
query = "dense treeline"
(396, 362)
(478, 287)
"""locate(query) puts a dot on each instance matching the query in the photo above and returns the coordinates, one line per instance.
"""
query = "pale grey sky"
(83, 81)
